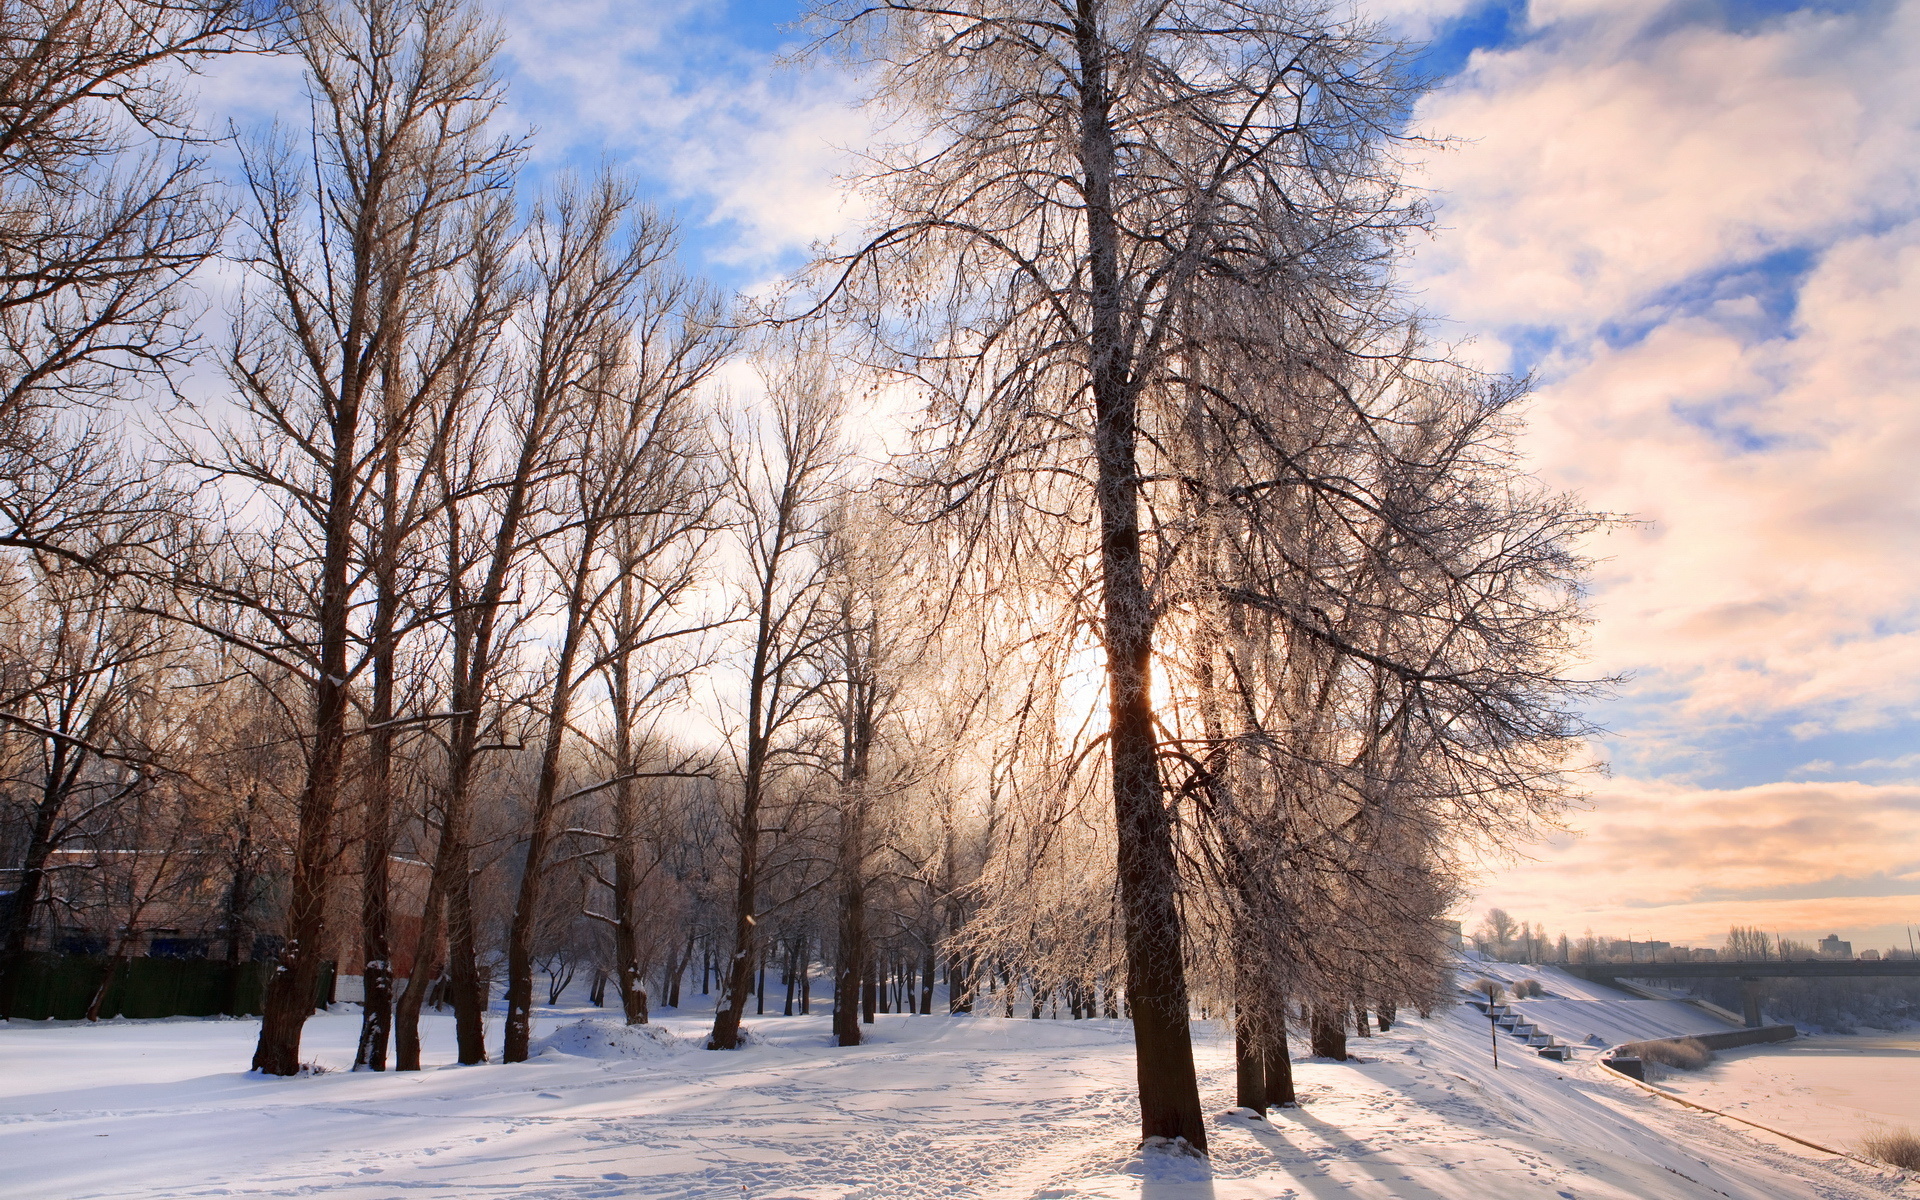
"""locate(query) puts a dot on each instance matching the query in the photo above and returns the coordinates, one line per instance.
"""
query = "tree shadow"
(1382, 1177)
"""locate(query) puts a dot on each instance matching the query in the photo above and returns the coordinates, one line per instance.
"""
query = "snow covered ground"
(933, 1107)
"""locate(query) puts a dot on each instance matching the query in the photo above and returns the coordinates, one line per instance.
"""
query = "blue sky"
(1696, 224)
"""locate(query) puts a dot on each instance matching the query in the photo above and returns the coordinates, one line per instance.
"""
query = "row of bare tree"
(1205, 624)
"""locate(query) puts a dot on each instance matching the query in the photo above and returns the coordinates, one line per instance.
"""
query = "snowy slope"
(935, 1107)
(1578, 1012)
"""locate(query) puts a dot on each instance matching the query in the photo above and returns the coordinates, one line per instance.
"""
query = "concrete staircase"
(1518, 1027)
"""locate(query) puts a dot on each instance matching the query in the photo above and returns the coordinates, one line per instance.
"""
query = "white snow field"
(932, 1107)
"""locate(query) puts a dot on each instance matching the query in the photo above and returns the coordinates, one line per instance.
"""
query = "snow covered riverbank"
(934, 1107)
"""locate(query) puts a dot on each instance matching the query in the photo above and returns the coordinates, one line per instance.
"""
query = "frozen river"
(1828, 1089)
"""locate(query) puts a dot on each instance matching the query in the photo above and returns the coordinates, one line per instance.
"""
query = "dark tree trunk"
(26, 893)
(626, 932)
(959, 983)
(869, 992)
(1148, 876)
(290, 990)
(736, 975)
(546, 805)
(376, 825)
(239, 898)
(926, 984)
(1276, 1061)
(680, 968)
(1249, 1066)
(1329, 1033)
(428, 952)
(467, 989)
(115, 961)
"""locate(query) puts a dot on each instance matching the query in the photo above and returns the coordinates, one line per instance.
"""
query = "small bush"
(1900, 1147)
(1687, 1054)
(1492, 989)
(1529, 987)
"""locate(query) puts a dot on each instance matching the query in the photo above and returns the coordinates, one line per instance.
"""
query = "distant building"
(1455, 937)
(1869, 956)
(1832, 947)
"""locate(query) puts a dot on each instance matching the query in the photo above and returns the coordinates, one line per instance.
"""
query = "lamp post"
(1491, 991)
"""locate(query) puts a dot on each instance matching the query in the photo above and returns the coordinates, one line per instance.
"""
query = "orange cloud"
(1685, 863)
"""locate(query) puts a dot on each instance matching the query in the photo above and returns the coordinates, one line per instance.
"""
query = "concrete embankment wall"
(1629, 1065)
(1740, 1037)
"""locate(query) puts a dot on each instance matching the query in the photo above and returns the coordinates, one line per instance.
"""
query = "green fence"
(61, 986)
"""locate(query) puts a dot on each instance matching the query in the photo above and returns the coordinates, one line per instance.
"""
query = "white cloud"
(1617, 188)
(758, 147)
(1774, 477)
(1714, 234)
(1599, 165)
(1413, 18)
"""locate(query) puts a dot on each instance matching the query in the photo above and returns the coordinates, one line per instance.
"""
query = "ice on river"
(1831, 1089)
(931, 1107)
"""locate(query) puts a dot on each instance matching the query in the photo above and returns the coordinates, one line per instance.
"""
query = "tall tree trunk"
(376, 825)
(679, 969)
(467, 987)
(526, 911)
(1249, 1065)
(1276, 1061)
(626, 833)
(736, 974)
(427, 955)
(239, 897)
(290, 991)
(1148, 875)
(26, 893)
(853, 952)
(1329, 1032)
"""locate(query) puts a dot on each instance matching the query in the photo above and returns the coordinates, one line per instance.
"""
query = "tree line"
(1201, 626)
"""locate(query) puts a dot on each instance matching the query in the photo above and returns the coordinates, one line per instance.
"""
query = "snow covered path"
(935, 1107)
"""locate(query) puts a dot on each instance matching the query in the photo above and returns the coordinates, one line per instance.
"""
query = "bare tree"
(349, 252)
(1096, 180)
(81, 670)
(635, 501)
(782, 477)
(106, 210)
(659, 556)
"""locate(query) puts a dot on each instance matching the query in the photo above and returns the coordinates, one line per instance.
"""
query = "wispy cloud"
(1687, 862)
(1699, 226)
(1703, 238)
